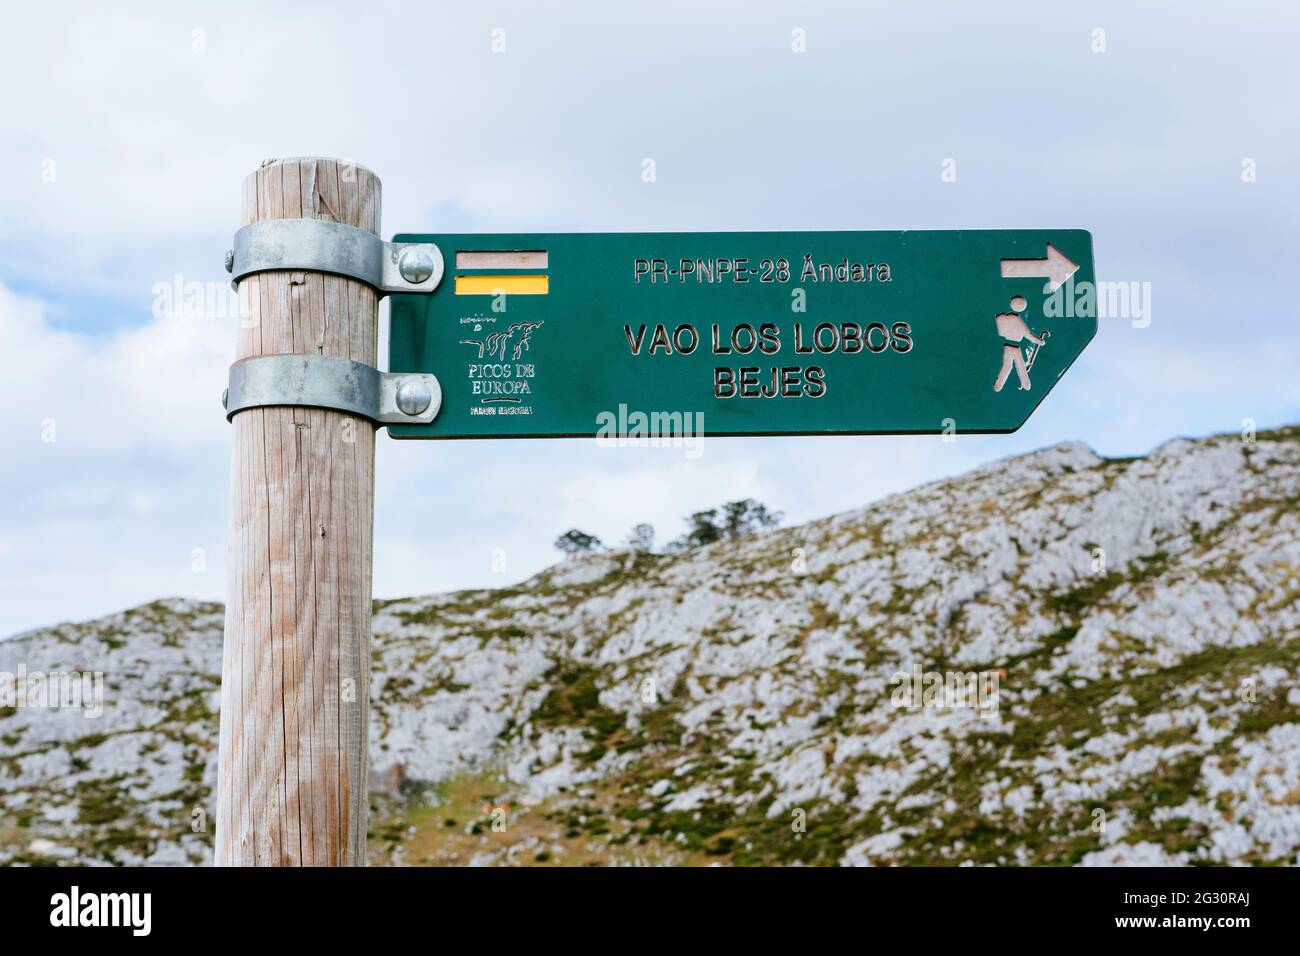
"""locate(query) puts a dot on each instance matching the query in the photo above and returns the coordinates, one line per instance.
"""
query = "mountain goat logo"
(497, 343)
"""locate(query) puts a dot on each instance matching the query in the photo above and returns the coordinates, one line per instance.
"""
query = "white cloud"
(147, 388)
(116, 462)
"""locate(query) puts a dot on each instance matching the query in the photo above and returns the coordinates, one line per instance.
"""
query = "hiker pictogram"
(1013, 330)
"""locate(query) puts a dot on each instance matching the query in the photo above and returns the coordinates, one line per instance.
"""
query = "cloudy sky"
(1167, 129)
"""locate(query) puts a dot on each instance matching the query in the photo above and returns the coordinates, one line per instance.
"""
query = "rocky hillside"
(1132, 625)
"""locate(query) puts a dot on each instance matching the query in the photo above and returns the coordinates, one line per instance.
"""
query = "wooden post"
(292, 777)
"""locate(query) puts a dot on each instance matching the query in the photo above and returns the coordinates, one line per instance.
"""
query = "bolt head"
(230, 260)
(225, 399)
(415, 265)
(413, 397)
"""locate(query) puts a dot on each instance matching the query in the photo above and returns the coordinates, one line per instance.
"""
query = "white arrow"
(1055, 268)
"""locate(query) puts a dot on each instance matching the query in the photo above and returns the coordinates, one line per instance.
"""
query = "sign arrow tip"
(1059, 268)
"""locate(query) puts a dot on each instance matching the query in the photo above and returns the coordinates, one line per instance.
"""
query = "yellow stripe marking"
(496, 285)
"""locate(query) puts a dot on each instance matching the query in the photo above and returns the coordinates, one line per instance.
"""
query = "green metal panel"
(836, 332)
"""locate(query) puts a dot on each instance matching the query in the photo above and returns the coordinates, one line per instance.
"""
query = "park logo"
(500, 383)
(495, 344)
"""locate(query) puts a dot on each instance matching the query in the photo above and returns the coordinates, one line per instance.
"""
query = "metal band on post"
(324, 381)
(318, 245)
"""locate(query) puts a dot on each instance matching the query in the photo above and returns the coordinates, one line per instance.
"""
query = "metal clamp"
(324, 381)
(318, 245)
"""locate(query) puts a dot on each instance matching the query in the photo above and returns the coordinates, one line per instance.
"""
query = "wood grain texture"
(292, 775)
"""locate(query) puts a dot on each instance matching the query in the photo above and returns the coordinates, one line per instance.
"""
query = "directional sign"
(747, 333)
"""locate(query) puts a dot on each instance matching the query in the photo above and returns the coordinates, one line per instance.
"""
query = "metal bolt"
(230, 260)
(413, 397)
(225, 399)
(415, 265)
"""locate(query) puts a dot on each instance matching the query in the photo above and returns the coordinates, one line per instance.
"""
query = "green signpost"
(748, 333)
(627, 336)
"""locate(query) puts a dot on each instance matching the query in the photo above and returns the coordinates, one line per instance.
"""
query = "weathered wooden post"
(295, 674)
